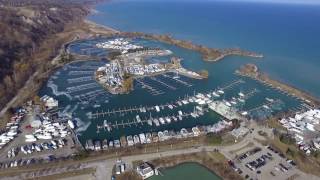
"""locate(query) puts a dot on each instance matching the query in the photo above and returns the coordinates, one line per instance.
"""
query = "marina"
(168, 105)
(181, 101)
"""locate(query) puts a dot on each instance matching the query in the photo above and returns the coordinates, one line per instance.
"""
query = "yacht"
(215, 94)
(241, 94)
(138, 118)
(269, 99)
(157, 108)
(220, 91)
(168, 120)
(156, 122)
(161, 120)
(130, 141)
(136, 139)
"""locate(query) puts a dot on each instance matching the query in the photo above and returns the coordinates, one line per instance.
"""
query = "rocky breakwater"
(208, 54)
(251, 70)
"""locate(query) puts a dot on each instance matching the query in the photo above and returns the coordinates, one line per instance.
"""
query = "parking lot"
(19, 152)
(263, 162)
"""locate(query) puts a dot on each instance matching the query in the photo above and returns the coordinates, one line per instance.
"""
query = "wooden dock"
(128, 123)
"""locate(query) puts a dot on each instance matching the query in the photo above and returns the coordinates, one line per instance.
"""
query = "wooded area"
(24, 27)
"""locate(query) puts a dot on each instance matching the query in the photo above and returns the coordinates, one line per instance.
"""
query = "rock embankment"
(251, 70)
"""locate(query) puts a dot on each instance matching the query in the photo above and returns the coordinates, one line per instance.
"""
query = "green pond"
(186, 171)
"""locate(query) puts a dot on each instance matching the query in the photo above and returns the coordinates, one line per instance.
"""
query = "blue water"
(288, 35)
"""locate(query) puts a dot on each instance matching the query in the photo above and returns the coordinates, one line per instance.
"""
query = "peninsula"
(128, 62)
(252, 71)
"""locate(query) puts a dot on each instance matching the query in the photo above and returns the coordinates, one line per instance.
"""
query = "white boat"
(168, 120)
(170, 106)
(149, 122)
(71, 124)
(220, 91)
(46, 137)
(161, 136)
(136, 139)
(185, 102)
(244, 113)
(241, 100)
(142, 138)
(157, 108)
(228, 104)
(130, 141)
(266, 107)
(117, 143)
(29, 136)
(233, 102)
(110, 143)
(269, 99)
(31, 140)
(241, 94)
(215, 94)
(193, 115)
(161, 120)
(180, 113)
(175, 118)
(156, 122)
(138, 118)
(148, 138)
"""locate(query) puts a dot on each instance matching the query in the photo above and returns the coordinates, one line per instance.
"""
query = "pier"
(76, 73)
(85, 98)
(232, 84)
(144, 109)
(127, 123)
(81, 87)
(80, 79)
(250, 94)
(163, 83)
(176, 78)
(150, 89)
(127, 110)
(264, 105)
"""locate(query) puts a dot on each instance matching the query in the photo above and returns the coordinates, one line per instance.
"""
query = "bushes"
(287, 139)
(81, 155)
(290, 152)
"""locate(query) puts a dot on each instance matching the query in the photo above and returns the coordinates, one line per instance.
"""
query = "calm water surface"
(288, 35)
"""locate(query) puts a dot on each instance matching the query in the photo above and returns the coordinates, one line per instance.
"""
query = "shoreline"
(208, 54)
(203, 159)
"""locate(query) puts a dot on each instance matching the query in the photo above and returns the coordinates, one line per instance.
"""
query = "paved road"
(104, 166)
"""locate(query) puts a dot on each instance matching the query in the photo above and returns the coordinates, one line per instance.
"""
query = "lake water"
(288, 35)
(187, 171)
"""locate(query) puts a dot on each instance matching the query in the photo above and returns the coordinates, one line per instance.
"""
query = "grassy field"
(73, 174)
